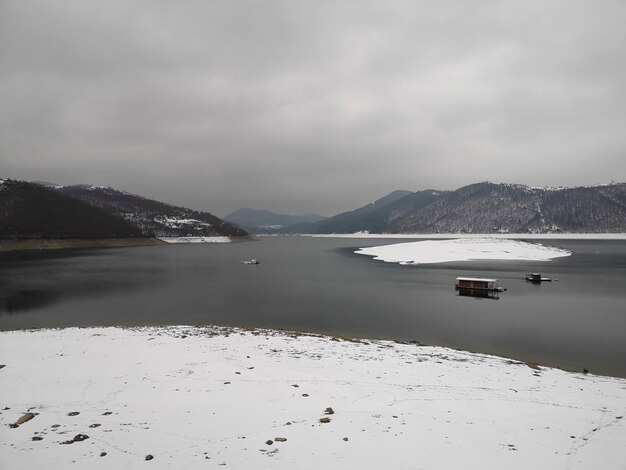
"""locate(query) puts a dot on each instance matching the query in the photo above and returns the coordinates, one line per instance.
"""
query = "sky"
(311, 106)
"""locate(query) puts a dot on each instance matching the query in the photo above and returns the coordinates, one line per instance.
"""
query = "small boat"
(478, 284)
(537, 278)
(250, 261)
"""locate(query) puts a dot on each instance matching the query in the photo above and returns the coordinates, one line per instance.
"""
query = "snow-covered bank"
(511, 236)
(441, 251)
(196, 239)
(206, 397)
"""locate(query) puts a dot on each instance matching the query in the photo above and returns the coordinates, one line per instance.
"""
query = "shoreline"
(541, 361)
(193, 397)
(60, 244)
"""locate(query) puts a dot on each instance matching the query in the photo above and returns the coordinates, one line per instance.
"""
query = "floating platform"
(537, 278)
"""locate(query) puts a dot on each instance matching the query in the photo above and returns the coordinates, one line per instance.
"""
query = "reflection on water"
(17, 300)
(36, 279)
(478, 293)
(320, 285)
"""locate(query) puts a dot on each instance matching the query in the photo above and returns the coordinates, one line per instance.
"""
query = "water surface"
(320, 285)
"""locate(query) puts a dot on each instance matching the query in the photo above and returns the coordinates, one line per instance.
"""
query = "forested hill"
(31, 211)
(43, 211)
(152, 217)
(375, 217)
(491, 208)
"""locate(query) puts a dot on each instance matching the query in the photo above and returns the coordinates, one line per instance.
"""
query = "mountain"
(31, 211)
(508, 208)
(267, 222)
(46, 211)
(373, 217)
(490, 208)
(153, 218)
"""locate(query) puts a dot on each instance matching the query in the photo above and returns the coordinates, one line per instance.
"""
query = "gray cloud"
(310, 106)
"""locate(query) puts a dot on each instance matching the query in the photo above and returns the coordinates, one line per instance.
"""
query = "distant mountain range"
(46, 211)
(371, 217)
(484, 208)
(266, 222)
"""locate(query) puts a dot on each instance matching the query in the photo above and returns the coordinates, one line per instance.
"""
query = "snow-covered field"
(196, 239)
(465, 249)
(211, 397)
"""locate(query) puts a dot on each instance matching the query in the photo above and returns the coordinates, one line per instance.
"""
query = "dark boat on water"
(537, 278)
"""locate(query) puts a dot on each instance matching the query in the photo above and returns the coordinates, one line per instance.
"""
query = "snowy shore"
(195, 239)
(217, 239)
(187, 397)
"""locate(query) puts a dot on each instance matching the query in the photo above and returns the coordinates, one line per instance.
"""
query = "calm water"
(320, 285)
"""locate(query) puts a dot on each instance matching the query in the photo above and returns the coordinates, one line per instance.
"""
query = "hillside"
(152, 217)
(491, 208)
(31, 211)
(267, 222)
(376, 217)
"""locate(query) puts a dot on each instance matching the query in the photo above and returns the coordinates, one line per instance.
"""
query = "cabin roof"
(476, 279)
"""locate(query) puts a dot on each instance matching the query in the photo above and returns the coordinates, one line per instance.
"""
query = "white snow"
(176, 222)
(515, 236)
(196, 239)
(441, 251)
(211, 397)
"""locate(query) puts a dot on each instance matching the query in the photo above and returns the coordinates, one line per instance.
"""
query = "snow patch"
(210, 397)
(176, 222)
(441, 251)
(515, 236)
(196, 239)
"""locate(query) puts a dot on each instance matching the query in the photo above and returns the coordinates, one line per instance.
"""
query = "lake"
(320, 285)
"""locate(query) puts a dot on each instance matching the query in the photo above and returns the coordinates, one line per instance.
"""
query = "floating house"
(478, 284)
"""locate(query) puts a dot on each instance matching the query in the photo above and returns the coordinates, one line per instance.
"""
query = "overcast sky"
(311, 106)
